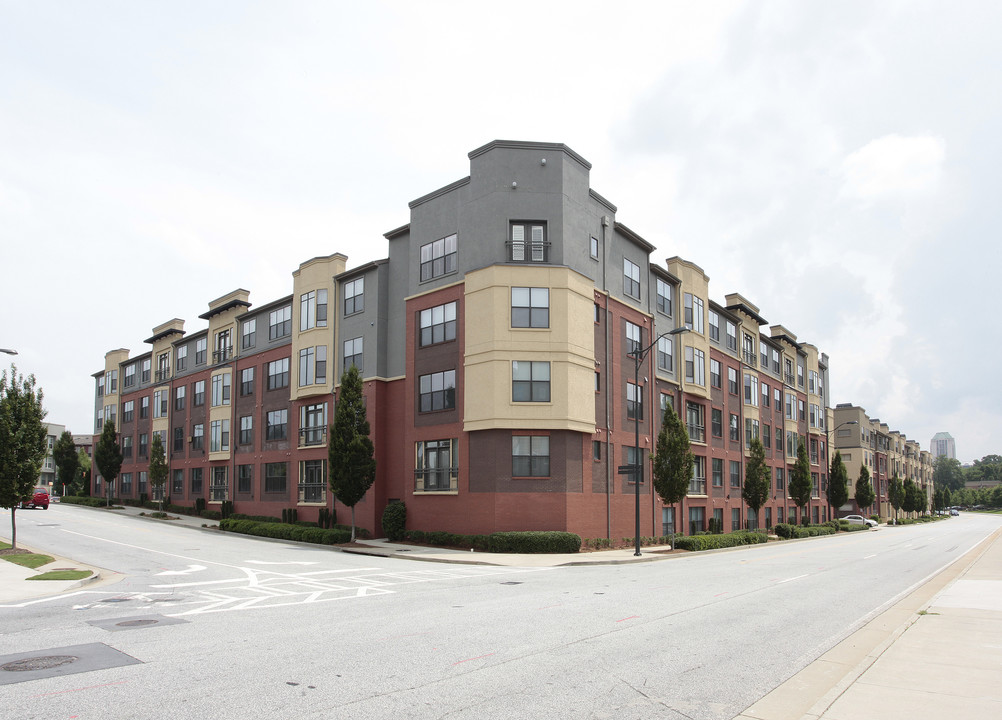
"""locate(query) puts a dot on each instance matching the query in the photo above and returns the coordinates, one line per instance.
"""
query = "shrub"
(199, 505)
(713, 542)
(534, 542)
(394, 521)
(285, 531)
(255, 518)
(211, 514)
(88, 501)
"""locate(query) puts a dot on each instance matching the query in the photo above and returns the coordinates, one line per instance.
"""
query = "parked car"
(40, 498)
(860, 520)
(954, 511)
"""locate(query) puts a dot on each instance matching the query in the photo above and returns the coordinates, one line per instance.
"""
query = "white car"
(860, 520)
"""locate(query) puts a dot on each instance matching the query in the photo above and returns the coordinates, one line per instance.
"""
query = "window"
(735, 474)
(112, 384)
(716, 422)
(594, 248)
(813, 451)
(434, 468)
(280, 323)
(732, 381)
(353, 353)
(632, 338)
(697, 483)
(178, 439)
(802, 414)
(530, 456)
(788, 371)
(195, 478)
(528, 242)
(219, 436)
(128, 411)
(179, 392)
(774, 360)
(312, 481)
(800, 373)
(275, 477)
(180, 357)
(438, 258)
(245, 478)
(530, 381)
(144, 445)
(815, 416)
(732, 336)
(144, 481)
(130, 375)
(278, 374)
(221, 389)
(163, 366)
(714, 326)
(765, 395)
(218, 484)
(767, 437)
(313, 424)
(667, 521)
(779, 439)
(631, 279)
(248, 333)
(437, 391)
(247, 381)
(307, 361)
(780, 482)
(714, 373)
(177, 482)
(791, 407)
(246, 430)
(634, 402)
(735, 519)
(277, 427)
(751, 431)
(530, 307)
(198, 436)
(313, 309)
(438, 324)
(126, 446)
(200, 347)
(596, 450)
(751, 390)
(735, 432)
(160, 403)
(763, 355)
(748, 349)
(791, 444)
(144, 407)
(664, 292)
(695, 422)
(694, 312)
(223, 347)
(665, 351)
(632, 457)
(717, 470)
(695, 366)
(777, 397)
(198, 393)
(667, 400)
(354, 296)
(125, 484)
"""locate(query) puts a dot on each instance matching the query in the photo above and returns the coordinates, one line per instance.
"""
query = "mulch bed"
(13, 551)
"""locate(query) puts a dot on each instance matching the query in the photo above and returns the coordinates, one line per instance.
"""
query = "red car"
(39, 499)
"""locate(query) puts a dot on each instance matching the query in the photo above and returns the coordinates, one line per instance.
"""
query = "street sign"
(628, 469)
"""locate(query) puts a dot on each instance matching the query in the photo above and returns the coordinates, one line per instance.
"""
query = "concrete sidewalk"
(934, 654)
(16, 585)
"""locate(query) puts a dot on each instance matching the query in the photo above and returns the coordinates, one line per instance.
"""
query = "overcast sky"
(835, 163)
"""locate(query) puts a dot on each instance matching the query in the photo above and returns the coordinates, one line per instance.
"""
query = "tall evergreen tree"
(838, 483)
(757, 478)
(64, 453)
(108, 457)
(351, 460)
(158, 468)
(22, 441)
(864, 489)
(673, 460)
(896, 494)
(800, 485)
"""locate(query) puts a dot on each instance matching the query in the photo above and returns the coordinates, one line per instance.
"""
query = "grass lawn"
(62, 575)
(28, 560)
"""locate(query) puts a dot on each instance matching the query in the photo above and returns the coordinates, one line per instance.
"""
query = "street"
(228, 626)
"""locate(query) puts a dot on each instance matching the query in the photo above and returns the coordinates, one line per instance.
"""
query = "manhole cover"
(115, 600)
(44, 662)
(136, 623)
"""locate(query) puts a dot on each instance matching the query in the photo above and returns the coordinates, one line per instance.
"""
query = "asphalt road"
(251, 628)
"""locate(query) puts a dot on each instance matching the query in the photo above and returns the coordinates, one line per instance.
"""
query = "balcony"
(790, 379)
(697, 486)
(311, 436)
(750, 358)
(313, 493)
(528, 252)
(222, 354)
(162, 376)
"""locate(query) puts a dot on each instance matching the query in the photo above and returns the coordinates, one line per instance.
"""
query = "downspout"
(608, 386)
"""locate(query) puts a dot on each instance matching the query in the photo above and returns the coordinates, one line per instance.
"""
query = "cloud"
(892, 166)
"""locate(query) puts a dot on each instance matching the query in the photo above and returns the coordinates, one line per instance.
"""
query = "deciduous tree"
(757, 478)
(800, 481)
(673, 460)
(22, 441)
(864, 489)
(896, 494)
(108, 457)
(947, 473)
(351, 460)
(64, 453)
(158, 468)
(838, 483)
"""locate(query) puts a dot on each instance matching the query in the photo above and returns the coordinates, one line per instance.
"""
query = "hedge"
(285, 531)
(437, 537)
(533, 542)
(713, 541)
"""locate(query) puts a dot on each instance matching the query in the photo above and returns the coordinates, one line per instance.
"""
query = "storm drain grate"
(42, 662)
(115, 600)
(55, 662)
(135, 622)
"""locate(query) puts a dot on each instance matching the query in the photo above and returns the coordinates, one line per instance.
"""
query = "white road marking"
(792, 579)
(265, 562)
(191, 569)
(870, 556)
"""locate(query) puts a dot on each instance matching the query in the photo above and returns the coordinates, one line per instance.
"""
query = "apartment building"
(495, 343)
(885, 453)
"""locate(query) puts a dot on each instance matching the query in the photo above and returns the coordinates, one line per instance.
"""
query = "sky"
(835, 163)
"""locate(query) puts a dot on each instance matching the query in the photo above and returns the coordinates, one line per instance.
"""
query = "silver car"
(860, 520)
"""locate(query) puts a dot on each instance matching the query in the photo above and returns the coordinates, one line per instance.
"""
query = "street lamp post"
(637, 466)
(828, 455)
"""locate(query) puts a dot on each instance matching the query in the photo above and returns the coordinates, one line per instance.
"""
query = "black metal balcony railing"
(162, 375)
(309, 436)
(313, 492)
(222, 354)
(218, 493)
(435, 479)
(751, 359)
(790, 379)
(528, 252)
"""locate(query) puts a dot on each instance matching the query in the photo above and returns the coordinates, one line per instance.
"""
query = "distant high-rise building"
(942, 444)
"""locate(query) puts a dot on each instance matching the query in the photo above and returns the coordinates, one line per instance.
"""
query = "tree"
(22, 441)
(896, 494)
(947, 473)
(108, 456)
(673, 460)
(158, 468)
(64, 453)
(352, 465)
(800, 485)
(757, 478)
(82, 485)
(838, 482)
(864, 489)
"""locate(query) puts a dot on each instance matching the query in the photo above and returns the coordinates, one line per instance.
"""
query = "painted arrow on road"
(191, 569)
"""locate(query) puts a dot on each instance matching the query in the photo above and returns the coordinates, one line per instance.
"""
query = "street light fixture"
(637, 466)
(9, 352)
(828, 455)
